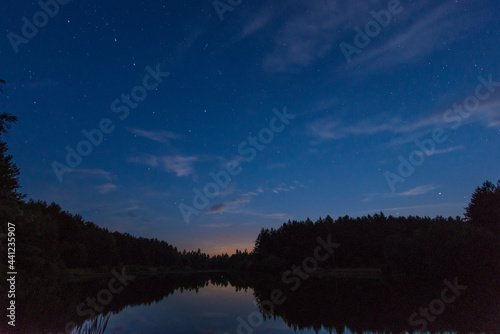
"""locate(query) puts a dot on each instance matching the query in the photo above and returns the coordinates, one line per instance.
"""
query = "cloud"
(177, 164)
(420, 190)
(223, 207)
(245, 198)
(316, 28)
(257, 23)
(435, 30)
(312, 31)
(100, 173)
(282, 188)
(305, 37)
(159, 136)
(181, 166)
(138, 216)
(489, 114)
(218, 208)
(275, 215)
(216, 225)
(329, 128)
(106, 188)
(448, 150)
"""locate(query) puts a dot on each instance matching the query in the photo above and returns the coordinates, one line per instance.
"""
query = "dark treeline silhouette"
(54, 240)
(410, 246)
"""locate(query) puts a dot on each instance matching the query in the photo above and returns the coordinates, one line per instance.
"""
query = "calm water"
(213, 309)
(223, 303)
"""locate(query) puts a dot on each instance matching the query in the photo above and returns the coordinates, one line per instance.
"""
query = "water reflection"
(220, 302)
(96, 326)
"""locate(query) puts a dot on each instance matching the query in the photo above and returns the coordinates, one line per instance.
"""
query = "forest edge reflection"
(334, 304)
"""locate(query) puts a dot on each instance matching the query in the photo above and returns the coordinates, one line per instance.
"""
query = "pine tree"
(9, 172)
(484, 207)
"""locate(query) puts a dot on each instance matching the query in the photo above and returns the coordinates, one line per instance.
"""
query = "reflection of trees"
(376, 306)
(49, 310)
(96, 326)
(360, 305)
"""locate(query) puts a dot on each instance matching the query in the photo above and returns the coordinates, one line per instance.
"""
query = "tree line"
(412, 247)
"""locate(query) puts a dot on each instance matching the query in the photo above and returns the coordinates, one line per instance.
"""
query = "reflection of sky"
(211, 310)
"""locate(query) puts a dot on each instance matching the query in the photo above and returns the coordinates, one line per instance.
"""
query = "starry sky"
(298, 108)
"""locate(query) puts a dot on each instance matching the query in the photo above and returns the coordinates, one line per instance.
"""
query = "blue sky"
(353, 120)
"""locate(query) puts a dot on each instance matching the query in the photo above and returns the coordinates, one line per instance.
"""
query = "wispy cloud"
(235, 205)
(226, 206)
(99, 173)
(177, 164)
(448, 150)
(275, 215)
(306, 36)
(216, 225)
(106, 188)
(282, 188)
(317, 28)
(257, 22)
(312, 31)
(218, 208)
(405, 131)
(420, 190)
(159, 136)
(132, 214)
(489, 114)
(434, 31)
(329, 128)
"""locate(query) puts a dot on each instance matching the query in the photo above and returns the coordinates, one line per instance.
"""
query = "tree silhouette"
(3, 83)
(484, 207)
(9, 172)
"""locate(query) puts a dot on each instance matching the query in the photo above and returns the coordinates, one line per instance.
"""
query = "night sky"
(308, 112)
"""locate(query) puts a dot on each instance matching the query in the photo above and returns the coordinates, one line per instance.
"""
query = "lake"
(212, 309)
(233, 303)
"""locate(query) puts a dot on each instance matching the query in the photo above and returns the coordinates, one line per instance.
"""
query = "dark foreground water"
(223, 303)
